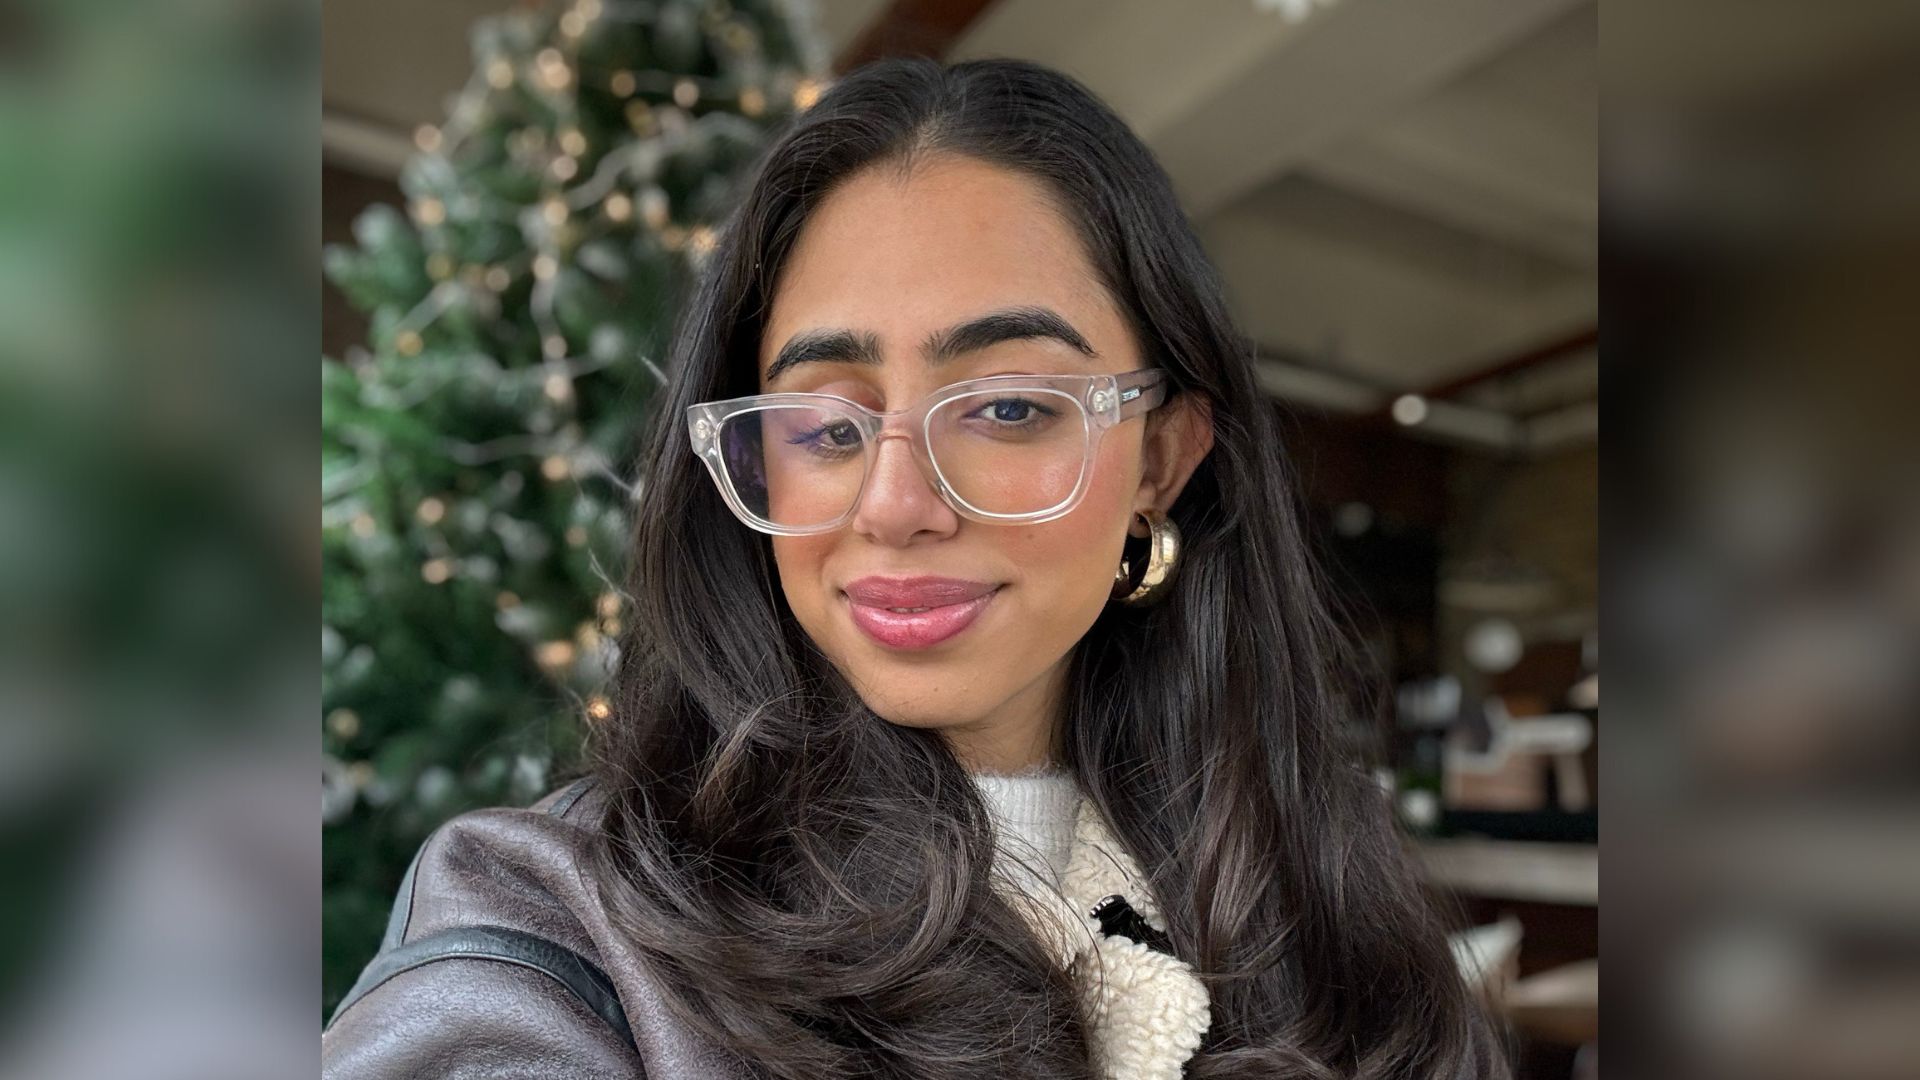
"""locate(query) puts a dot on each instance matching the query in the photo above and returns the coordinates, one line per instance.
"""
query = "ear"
(1179, 436)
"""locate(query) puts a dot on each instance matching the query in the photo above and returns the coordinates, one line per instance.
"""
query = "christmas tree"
(474, 507)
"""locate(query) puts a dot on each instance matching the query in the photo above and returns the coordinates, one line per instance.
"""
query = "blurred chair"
(1502, 770)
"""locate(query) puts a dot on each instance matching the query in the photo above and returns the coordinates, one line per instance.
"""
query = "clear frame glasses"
(1006, 449)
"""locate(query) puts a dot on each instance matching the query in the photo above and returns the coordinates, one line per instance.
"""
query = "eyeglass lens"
(1003, 452)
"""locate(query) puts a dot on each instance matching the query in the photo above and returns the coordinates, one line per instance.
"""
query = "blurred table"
(1559, 1006)
(1515, 869)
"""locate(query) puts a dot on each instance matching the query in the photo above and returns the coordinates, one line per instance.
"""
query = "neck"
(1019, 735)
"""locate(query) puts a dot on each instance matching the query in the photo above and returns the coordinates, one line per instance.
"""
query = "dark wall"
(1384, 560)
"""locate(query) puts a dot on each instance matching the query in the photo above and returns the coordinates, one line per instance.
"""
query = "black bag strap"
(559, 963)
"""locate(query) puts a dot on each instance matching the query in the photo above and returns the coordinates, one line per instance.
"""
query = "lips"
(927, 592)
(932, 609)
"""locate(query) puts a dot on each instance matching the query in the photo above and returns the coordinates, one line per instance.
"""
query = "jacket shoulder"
(519, 868)
(489, 959)
(468, 1017)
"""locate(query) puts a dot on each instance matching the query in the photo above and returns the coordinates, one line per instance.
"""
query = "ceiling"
(1402, 195)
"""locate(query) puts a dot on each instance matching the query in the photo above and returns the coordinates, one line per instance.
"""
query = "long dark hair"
(809, 881)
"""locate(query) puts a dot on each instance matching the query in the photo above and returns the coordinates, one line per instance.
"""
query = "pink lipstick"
(917, 612)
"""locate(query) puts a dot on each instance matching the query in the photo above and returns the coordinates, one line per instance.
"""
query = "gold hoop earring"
(1163, 559)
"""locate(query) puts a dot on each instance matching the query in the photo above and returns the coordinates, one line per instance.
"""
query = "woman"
(980, 705)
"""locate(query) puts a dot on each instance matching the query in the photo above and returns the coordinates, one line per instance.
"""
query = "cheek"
(802, 561)
(1068, 563)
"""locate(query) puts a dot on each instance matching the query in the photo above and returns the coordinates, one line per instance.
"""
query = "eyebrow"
(941, 346)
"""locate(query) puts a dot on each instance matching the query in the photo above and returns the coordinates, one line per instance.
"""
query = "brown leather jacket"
(499, 961)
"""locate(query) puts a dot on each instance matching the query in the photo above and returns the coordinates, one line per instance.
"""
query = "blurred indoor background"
(1403, 199)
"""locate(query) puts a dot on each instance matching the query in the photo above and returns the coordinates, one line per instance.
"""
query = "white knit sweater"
(1145, 1009)
(1034, 811)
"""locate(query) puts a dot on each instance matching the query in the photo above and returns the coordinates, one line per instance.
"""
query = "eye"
(1013, 411)
(837, 436)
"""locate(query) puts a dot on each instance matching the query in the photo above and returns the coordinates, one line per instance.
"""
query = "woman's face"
(896, 260)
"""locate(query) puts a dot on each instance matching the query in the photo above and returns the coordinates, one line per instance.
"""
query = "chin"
(938, 702)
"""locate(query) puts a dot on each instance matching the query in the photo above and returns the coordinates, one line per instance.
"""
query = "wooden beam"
(913, 28)
(1540, 354)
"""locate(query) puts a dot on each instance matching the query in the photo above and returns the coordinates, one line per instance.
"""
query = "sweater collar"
(1034, 816)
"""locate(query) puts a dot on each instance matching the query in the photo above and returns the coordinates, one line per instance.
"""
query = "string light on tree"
(599, 708)
(427, 138)
(555, 656)
(623, 83)
(431, 510)
(640, 118)
(430, 211)
(436, 571)
(654, 209)
(686, 93)
(556, 467)
(554, 69)
(738, 35)
(344, 723)
(618, 207)
(500, 74)
(806, 93)
(408, 343)
(545, 266)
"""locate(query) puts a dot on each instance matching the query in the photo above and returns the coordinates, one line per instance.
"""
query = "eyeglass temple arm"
(1141, 391)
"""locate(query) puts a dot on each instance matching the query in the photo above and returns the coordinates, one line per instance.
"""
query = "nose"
(900, 506)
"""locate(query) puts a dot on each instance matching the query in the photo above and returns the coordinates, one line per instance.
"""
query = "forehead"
(901, 256)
